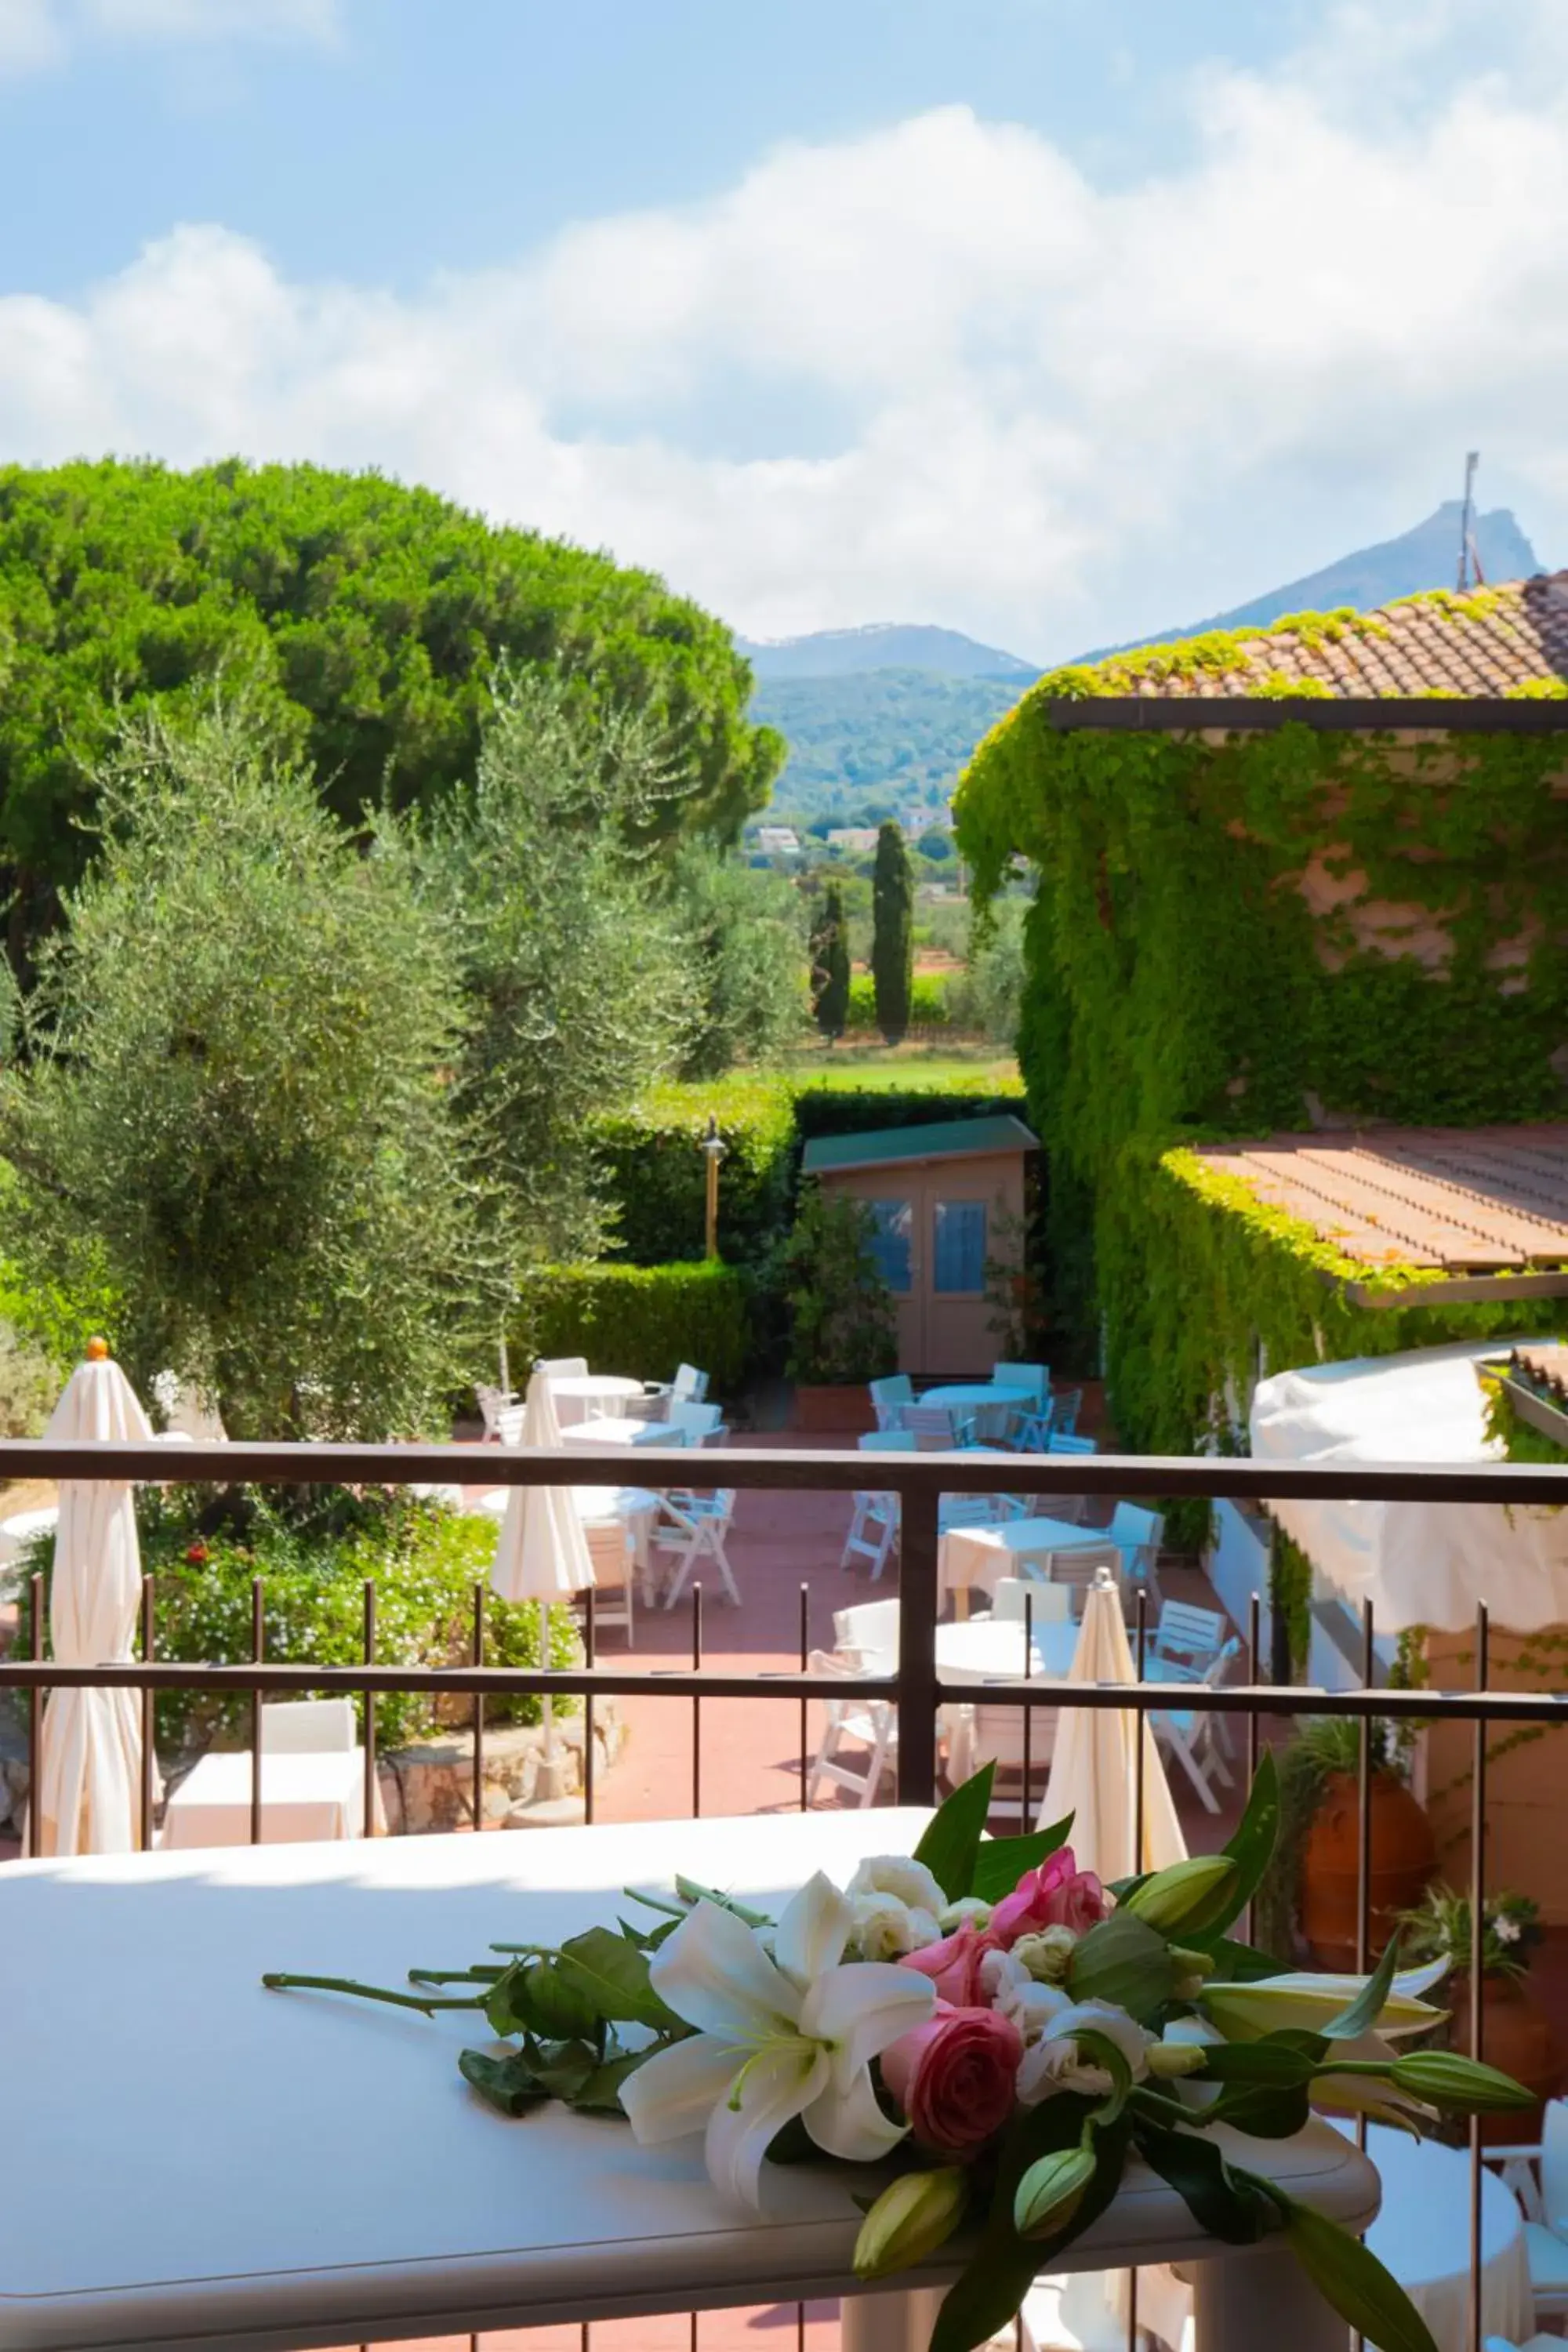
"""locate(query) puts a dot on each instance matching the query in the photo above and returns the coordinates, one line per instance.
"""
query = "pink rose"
(953, 1965)
(1057, 1895)
(954, 2077)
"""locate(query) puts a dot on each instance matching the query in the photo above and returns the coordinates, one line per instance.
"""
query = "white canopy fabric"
(1093, 1765)
(89, 1778)
(542, 1554)
(1417, 1564)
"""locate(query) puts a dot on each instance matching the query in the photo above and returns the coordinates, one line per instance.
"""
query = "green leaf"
(562, 2067)
(612, 1975)
(1238, 1963)
(508, 2084)
(690, 1890)
(1125, 1961)
(548, 2002)
(1001, 1861)
(1273, 2061)
(950, 1843)
(1353, 2281)
(1103, 2052)
(1263, 2110)
(1250, 1847)
(1220, 2203)
(600, 2092)
(1367, 2007)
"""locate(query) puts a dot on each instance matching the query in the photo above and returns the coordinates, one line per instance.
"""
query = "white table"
(296, 2170)
(990, 1407)
(614, 1430)
(314, 1796)
(967, 1556)
(1423, 2235)
(583, 1396)
(988, 1649)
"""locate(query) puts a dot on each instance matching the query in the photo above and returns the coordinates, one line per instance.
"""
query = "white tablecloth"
(988, 1649)
(614, 1430)
(989, 1407)
(585, 1396)
(968, 1557)
(303, 1797)
(1423, 2235)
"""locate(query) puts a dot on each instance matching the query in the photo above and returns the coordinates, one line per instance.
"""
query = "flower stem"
(277, 1983)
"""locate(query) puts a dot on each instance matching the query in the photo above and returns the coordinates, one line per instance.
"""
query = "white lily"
(1309, 1999)
(793, 2034)
(1053, 2063)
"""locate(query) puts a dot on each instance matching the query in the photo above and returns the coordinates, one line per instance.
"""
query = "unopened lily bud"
(1051, 2191)
(967, 1906)
(1166, 2060)
(1192, 1964)
(1188, 1896)
(1047, 1954)
(910, 2220)
(1461, 2084)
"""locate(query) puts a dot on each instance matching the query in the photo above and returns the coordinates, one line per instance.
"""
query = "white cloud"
(35, 34)
(963, 383)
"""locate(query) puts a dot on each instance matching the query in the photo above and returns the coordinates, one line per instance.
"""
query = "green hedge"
(654, 1159)
(639, 1319)
(929, 1001)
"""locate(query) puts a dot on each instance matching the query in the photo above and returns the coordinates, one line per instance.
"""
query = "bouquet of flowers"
(985, 2022)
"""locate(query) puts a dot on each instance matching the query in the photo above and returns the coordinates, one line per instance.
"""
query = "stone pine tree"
(892, 932)
(830, 965)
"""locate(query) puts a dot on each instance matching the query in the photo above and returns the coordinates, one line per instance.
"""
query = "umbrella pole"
(544, 1661)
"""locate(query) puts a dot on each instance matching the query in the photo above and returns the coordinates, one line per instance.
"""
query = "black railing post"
(918, 1540)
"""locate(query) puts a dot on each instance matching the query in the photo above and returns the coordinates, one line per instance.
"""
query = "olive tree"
(238, 1095)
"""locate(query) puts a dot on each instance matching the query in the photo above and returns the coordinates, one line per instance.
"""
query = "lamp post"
(713, 1150)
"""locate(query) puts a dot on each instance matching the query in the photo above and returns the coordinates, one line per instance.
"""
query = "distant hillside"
(882, 645)
(896, 735)
(1427, 557)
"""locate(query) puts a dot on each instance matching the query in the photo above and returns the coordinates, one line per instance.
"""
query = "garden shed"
(948, 1201)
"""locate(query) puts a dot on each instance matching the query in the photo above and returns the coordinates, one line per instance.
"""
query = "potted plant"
(1319, 1847)
(843, 1327)
(1515, 2034)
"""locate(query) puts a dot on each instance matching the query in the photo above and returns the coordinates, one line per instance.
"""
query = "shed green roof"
(946, 1139)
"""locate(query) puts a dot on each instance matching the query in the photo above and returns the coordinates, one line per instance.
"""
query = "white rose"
(1047, 1954)
(1001, 1975)
(896, 1874)
(952, 1915)
(1053, 2063)
(1034, 2009)
(883, 1928)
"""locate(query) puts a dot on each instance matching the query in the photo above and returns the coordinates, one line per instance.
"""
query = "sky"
(1052, 320)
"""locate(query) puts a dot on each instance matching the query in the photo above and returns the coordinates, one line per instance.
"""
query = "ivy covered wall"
(1235, 935)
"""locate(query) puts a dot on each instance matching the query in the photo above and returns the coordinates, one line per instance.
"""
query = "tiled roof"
(1492, 641)
(1477, 1200)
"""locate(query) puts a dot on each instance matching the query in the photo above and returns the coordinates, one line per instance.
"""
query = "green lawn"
(904, 1065)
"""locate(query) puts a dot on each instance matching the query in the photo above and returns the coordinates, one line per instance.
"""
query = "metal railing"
(917, 1687)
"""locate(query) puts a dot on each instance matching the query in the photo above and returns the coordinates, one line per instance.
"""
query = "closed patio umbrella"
(542, 1553)
(90, 1770)
(1093, 1767)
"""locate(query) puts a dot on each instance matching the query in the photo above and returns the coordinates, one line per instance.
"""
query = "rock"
(430, 1786)
(548, 1814)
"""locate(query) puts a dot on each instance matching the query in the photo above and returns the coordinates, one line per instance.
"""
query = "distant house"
(778, 841)
(853, 840)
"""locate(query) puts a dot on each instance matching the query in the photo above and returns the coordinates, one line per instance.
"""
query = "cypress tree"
(830, 965)
(892, 932)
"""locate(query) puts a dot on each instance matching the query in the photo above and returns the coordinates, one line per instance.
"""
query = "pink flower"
(1057, 1895)
(953, 1965)
(954, 2077)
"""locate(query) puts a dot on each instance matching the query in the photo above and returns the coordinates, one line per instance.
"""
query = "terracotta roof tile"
(1490, 641)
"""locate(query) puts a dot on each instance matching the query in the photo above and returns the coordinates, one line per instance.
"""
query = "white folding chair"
(1034, 1379)
(700, 1424)
(873, 1722)
(871, 1630)
(566, 1368)
(493, 1404)
(1066, 1406)
(1189, 1733)
(694, 1528)
(1064, 1440)
(873, 1530)
(1539, 2178)
(986, 1734)
(935, 1428)
(1187, 1641)
(1076, 1569)
(613, 1556)
(1138, 1534)
(1032, 1383)
(1016, 1598)
(890, 1396)
(308, 1727)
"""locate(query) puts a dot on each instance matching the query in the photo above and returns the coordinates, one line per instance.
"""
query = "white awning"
(1417, 1564)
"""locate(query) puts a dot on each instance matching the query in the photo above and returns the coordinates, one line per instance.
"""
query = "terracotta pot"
(1515, 2035)
(1404, 1858)
(846, 1410)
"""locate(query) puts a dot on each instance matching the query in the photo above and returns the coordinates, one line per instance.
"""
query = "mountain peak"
(883, 644)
